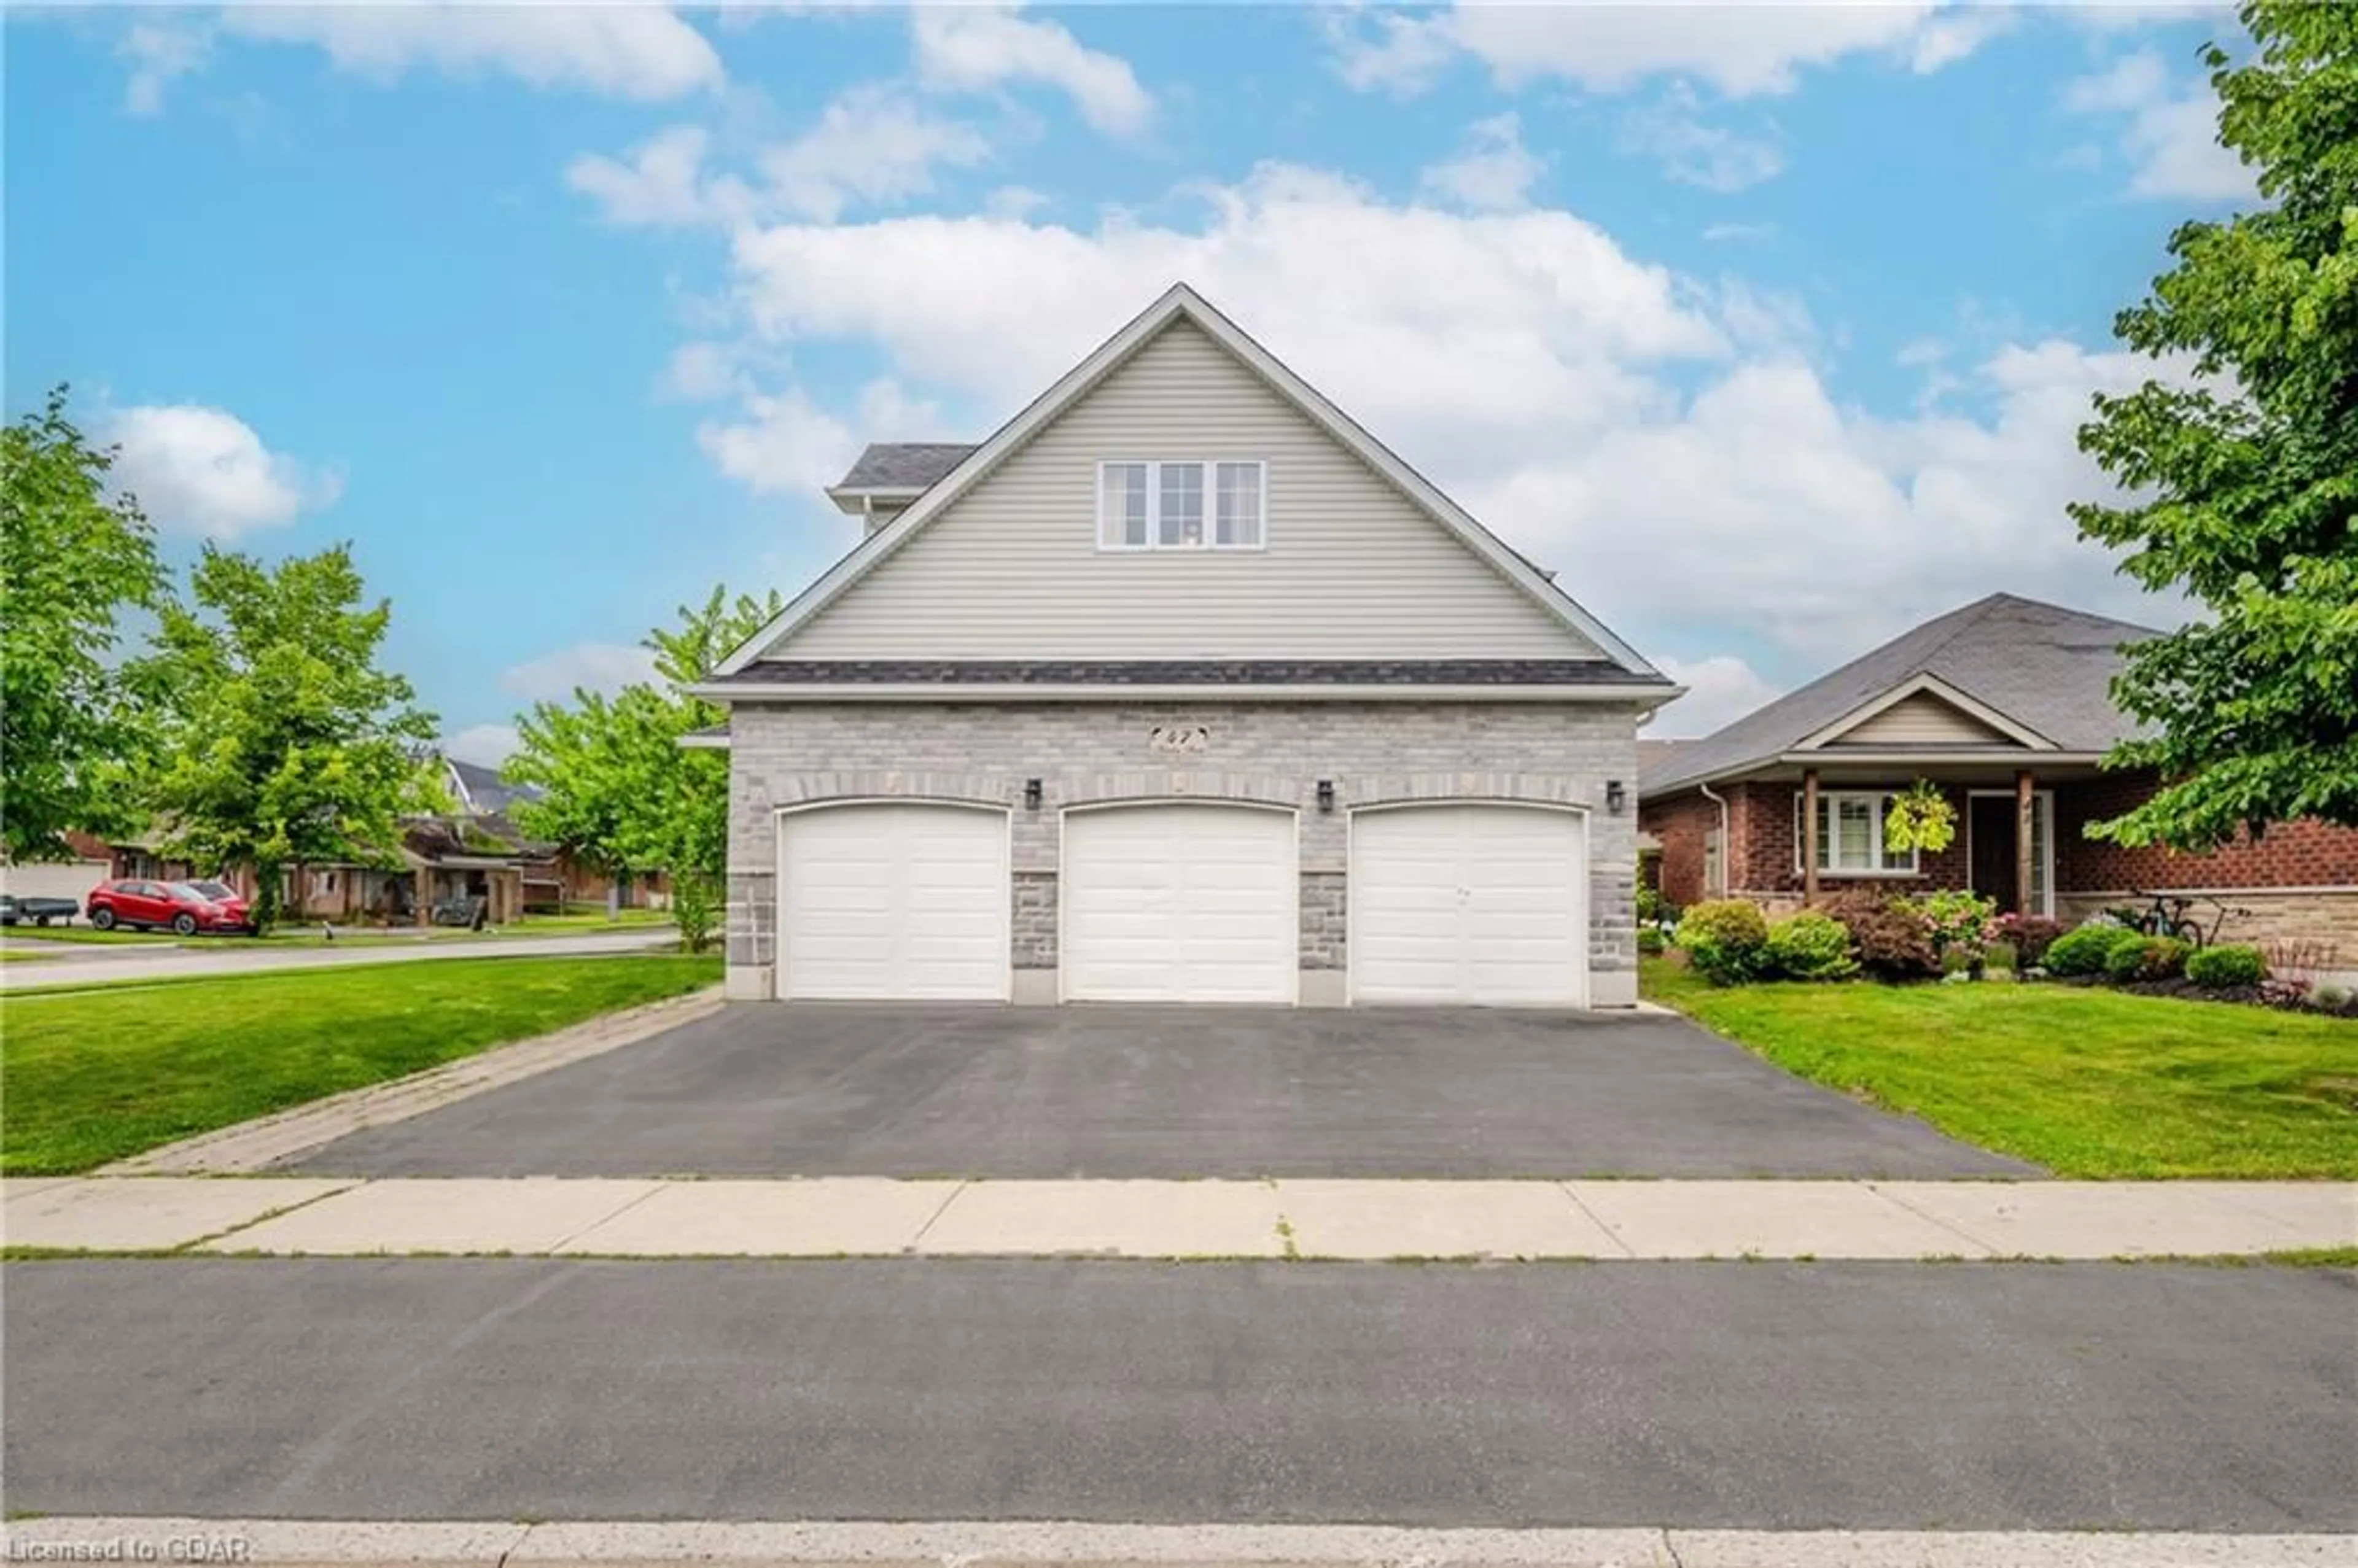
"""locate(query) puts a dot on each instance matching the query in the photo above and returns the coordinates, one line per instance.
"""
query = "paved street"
(1900, 1396)
(1107, 1091)
(86, 964)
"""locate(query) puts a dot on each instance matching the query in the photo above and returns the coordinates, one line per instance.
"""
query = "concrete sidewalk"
(874, 1217)
(183, 962)
(981, 1543)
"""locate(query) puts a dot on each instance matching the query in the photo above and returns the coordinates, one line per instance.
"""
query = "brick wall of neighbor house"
(1683, 825)
(1767, 863)
(2289, 855)
(1553, 752)
(2297, 883)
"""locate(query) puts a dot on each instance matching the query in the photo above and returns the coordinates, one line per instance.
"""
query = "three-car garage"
(1461, 902)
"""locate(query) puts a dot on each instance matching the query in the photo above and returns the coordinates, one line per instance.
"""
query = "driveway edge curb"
(253, 1146)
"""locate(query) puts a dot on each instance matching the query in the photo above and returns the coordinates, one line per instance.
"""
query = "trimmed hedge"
(2089, 949)
(2146, 958)
(2225, 969)
(1809, 946)
(1723, 940)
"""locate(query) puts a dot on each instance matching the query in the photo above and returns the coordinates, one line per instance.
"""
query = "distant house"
(2006, 705)
(475, 853)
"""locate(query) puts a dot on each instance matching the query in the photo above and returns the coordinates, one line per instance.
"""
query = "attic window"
(1181, 506)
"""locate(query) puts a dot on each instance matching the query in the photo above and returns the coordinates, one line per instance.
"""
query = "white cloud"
(596, 666)
(872, 145)
(1740, 49)
(1663, 440)
(782, 444)
(205, 472)
(1720, 690)
(2169, 131)
(639, 51)
(158, 51)
(1693, 152)
(661, 182)
(1493, 174)
(975, 47)
(487, 745)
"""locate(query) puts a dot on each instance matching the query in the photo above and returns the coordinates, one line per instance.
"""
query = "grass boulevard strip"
(94, 1075)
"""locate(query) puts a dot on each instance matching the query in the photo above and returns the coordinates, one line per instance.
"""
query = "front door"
(1992, 829)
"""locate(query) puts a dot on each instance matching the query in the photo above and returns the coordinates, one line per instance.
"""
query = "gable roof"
(904, 465)
(482, 791)
(1180, 301)
(2040, 674)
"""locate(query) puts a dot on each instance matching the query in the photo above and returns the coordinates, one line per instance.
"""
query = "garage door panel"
(879, 902)
(1468, 903)
(1179, 903)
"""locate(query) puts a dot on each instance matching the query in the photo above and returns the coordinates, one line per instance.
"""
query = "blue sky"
(1766, 327)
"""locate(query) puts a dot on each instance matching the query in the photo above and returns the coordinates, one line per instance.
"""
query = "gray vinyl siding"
(1351, 568)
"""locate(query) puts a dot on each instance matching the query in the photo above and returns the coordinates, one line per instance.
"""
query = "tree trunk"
(613, 896)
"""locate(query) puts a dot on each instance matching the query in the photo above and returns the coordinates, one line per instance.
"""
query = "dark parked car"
(39, 910)
(176, 906)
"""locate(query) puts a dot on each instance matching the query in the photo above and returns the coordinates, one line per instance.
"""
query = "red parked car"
(177, 906)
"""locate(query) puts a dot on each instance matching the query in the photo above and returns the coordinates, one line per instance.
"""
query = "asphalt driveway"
(946, 1090)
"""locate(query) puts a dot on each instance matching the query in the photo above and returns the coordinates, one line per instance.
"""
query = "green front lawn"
(94, 1076)
(2089, 1082)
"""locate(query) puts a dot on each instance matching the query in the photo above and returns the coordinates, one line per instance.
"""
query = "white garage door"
(1469, 903)
(1179, 903)
(879, 902)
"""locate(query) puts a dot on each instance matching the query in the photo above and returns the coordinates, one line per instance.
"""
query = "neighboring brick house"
(2006, 705)
(1183, 687)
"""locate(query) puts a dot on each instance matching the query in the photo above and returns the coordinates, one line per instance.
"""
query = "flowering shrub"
(1958, 921)
(1809, 946)
(1723, 940)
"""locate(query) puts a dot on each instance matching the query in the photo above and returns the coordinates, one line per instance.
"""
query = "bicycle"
(2167, 917)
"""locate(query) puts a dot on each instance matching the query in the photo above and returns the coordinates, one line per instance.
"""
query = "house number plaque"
(1187, 739)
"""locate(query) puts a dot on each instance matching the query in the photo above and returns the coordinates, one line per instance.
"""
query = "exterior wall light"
(1326, 794)
(1031, 794)
(1615, 797)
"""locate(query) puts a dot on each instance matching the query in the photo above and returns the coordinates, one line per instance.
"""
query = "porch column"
(423, 914)
(2024, 808)
(1808, 835)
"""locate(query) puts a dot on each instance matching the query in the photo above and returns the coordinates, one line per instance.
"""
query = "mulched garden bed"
(2273, 994)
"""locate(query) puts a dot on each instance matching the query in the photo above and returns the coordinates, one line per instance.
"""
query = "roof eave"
(1645, 695)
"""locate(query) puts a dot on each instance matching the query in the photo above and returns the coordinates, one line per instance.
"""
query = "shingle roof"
(1187, 672)
(486, 791)
(2047, 668)
(904, 465)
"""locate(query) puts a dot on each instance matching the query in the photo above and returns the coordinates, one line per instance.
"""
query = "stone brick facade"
(1562, 753)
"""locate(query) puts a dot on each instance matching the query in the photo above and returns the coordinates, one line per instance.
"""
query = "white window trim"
(1211, 492)
(1831, 796)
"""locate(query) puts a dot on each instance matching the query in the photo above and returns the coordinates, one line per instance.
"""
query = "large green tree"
(618, 789)
(284, 743)
(73, 560)
(2241, 485)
